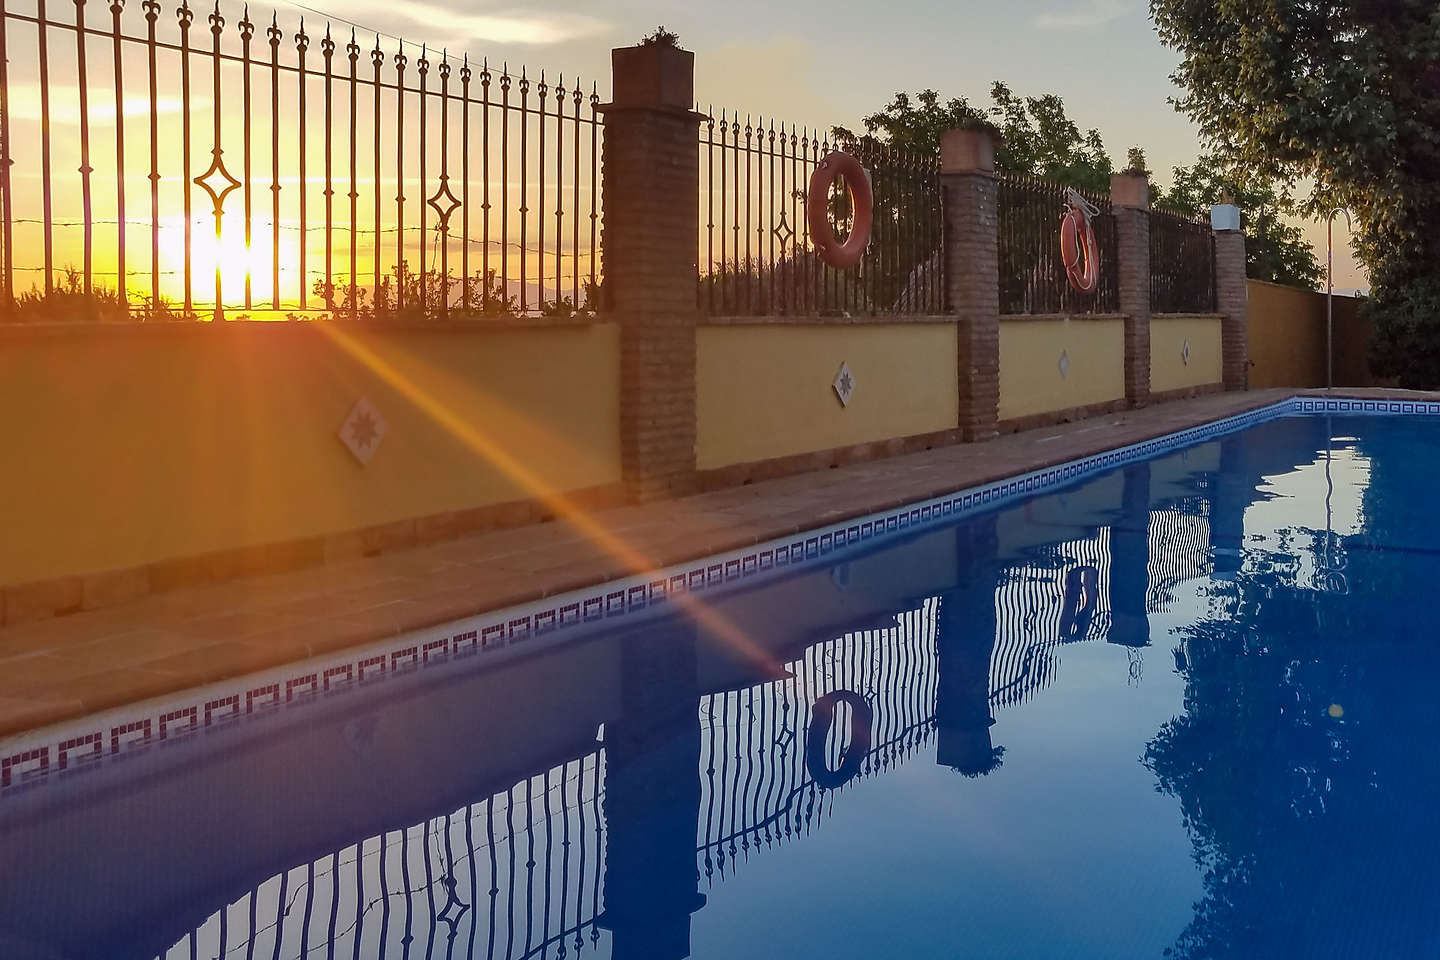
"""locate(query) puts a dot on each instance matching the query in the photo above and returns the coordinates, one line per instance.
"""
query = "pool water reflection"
(1178, 709)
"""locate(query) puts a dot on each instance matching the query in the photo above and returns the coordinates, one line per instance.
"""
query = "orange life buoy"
(828, 247)
(1077, 245)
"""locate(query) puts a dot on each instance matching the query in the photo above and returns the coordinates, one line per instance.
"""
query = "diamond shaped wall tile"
(1064, 364)
(844, 384)
(363, 430)
(1185, 353)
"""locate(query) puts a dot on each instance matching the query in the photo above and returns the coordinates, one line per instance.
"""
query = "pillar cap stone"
(653, 76)
(1225, 217)
(1130, 189)
(967, 150)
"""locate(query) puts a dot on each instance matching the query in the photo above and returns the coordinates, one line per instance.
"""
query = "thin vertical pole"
(85, 169)
(543, 91)
(152, 12)
(1330, 302)
(302, 42)
(465, 217)
(121, 276)
(594, 176)
(400, 268)
(524, 179)
(575, 204)
(273, 35)
(247, 31)
(444, 191)
(327, 52)
(352, 50)
(484, 186)
(505, 183)
(422, 67)
(377, 60)
(7, 285)
(708, 276)
(559, 187)
(43, 31)
(186, 17)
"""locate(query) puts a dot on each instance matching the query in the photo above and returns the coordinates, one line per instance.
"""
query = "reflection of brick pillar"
(1130, 561)
(1130, 200)
(972, 271)
(651, 177)
(964, 644)
(1231, 299)
(652, 798)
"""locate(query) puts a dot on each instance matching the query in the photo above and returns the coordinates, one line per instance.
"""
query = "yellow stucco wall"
(1287, 338)
(764, 391)
(131, 445)
(1030, 349)
(1169, 369)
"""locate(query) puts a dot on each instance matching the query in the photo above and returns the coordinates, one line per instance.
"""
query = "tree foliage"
(1038, 137)
(1275, 250)
(1348, 93)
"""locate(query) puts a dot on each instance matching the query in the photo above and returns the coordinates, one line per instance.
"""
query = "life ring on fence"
(828, 247)
(822, 717)
(1077, 243)
(1082, 591)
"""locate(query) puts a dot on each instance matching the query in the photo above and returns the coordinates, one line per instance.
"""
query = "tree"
(1347, 93)
(1274, 249)
(1036, 135)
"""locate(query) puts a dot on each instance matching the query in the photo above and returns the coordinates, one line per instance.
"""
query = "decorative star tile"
(844, 384)
(1064, 364)
(363, 430)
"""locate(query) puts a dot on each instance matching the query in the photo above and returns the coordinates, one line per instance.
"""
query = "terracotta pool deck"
(58, 669)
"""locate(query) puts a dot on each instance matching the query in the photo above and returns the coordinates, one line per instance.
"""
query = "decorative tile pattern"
(844, 384)
(363, 430)
(43, 756)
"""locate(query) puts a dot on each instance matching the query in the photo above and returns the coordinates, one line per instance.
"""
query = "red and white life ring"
(1077, 244)
(828, 247)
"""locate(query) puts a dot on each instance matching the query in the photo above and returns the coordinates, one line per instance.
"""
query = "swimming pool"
(1174, 699)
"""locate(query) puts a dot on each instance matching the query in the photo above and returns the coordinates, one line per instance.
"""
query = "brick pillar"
(1231, 296)
(972, 271)
(1130, 200)
(651, 179)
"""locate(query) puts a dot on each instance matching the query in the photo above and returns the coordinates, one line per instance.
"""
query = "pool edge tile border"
(59, 751)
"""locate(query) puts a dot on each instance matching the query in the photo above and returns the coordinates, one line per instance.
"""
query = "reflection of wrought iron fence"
(517, 875)
(756, 256)
(388, 169)
(1182, 264)
(1032, 273)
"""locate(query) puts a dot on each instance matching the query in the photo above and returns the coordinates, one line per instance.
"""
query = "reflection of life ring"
(1082, 590)
(822, 715)
(1077, 243)
(828, 247)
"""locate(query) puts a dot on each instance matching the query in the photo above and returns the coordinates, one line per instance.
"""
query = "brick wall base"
(1052, 417)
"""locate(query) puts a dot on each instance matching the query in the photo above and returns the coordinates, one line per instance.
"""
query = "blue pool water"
(1183, 708)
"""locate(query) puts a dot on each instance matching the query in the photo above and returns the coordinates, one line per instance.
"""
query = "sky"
(818, 64)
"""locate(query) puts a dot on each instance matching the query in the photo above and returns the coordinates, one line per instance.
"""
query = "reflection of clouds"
(65, 104)
(500, 26)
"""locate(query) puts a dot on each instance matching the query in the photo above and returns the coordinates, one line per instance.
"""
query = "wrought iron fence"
(400, 181)
(756, 256)
(1032, 273)
(1182, 263)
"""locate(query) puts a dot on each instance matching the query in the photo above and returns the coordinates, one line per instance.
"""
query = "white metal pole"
(1330, 303)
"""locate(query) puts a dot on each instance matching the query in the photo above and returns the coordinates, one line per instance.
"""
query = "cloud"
(1096, 13)
(498, 26)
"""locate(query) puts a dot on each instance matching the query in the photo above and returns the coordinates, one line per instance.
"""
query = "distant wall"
(1172, 366)
(139, 443)
(764, 390)
(1031, 380)
(1287, 339)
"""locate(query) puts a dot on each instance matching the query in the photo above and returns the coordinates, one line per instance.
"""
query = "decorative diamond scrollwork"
(217, 182)
(783, 231)
(444, 204)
